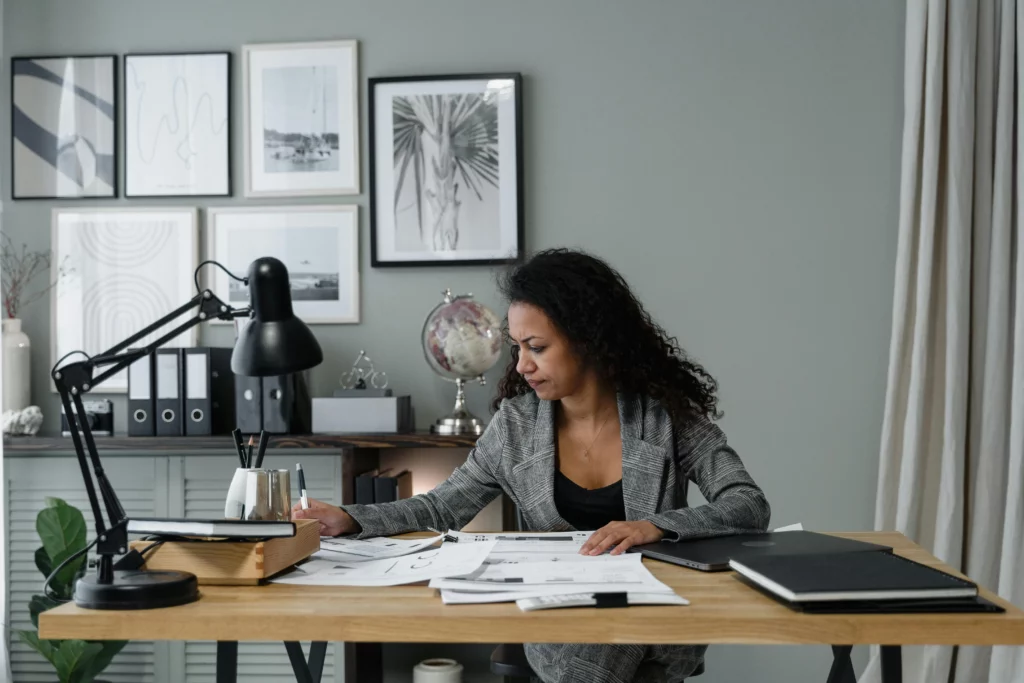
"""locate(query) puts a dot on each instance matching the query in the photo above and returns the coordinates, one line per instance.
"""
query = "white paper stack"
(528, 566)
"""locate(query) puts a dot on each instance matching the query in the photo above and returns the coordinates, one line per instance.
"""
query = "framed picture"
(446, 170)
(301, 119)
(177, 128)
(318, 244)
(125, 269)
(64, 127)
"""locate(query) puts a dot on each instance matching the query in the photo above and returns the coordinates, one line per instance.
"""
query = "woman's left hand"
(621, 535)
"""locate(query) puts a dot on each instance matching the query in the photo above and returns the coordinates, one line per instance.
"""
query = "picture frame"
(412, 222)
(177, 124)
(124, 269)
(322, 261)
(64, 127)
(301, 103)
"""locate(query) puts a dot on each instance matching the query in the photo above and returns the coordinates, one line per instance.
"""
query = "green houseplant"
(61, 527)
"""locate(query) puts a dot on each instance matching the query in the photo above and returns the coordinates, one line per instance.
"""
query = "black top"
(588, 509)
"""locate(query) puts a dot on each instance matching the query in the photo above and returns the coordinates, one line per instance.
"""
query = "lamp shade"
(274, 342)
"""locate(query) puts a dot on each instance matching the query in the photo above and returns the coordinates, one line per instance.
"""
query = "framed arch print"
(123, 270)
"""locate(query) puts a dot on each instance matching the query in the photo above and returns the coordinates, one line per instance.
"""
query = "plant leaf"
(39, 604)
(43, 563)
(61, 527)
(43, 647)
(72, 659)
(97, 664)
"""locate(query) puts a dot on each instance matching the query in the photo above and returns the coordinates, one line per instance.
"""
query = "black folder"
(872, 582)
(169, 398)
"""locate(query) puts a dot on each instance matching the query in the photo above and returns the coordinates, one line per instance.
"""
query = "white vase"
(17, 351)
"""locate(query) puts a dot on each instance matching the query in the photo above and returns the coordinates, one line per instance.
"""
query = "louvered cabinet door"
(205, 485)
(141, 486)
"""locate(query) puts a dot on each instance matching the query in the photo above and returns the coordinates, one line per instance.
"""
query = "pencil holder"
(268, 495)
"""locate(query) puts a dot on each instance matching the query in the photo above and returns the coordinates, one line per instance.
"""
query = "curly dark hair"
(609, 330)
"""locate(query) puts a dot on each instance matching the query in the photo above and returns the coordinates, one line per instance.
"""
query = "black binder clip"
(611, 600)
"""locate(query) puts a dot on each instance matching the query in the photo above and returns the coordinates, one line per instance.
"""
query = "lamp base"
(137, 589)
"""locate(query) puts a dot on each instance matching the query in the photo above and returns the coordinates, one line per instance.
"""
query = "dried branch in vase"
(18, 268)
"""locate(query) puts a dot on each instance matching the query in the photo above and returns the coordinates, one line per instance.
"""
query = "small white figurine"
(25, 422)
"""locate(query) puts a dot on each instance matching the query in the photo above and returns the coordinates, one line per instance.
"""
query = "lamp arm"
(74, 379)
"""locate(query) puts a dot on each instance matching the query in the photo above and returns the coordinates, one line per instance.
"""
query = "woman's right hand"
(333, 520)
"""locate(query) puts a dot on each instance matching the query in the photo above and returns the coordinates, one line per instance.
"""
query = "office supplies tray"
(233, 562)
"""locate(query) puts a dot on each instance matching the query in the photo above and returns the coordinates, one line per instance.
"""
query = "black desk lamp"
(275, 342)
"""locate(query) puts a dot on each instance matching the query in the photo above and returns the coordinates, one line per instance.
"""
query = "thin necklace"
(586, 453)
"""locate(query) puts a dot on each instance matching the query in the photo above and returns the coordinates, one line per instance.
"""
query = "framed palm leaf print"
(446, 170)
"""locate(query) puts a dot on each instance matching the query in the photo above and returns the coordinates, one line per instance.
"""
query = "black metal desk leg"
(842, 665)
(317, 655)
(892, 664)
(307, 672)
(298, 660)
(227, 661)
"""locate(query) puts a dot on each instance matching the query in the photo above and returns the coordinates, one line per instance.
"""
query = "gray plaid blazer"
(516, 455)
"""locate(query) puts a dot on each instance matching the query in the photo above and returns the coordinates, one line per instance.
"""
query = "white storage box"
(335, 415)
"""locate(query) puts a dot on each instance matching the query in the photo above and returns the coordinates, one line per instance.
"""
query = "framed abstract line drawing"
(318, 244)
(177, 128)
(446, 170)
(64, 127)
(124, 270)
(301, 118)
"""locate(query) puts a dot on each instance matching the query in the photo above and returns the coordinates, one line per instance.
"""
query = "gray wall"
(737, 160)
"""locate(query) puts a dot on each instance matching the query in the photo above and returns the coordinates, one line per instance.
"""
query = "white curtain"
(950, 473)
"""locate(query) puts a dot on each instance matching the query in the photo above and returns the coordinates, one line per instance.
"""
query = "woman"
(601, 421)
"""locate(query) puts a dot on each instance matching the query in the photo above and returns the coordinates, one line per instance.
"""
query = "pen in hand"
(302, 487)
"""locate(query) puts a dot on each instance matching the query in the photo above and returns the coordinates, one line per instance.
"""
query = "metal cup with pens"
(256, 493)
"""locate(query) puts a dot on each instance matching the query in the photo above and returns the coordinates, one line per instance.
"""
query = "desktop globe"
(461, 341)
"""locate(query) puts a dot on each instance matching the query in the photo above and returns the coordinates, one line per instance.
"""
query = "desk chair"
(509, 659)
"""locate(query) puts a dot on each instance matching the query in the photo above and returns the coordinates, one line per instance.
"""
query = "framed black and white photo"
(301, 118)
(177, 128)
(64, 127)
(125, 268)
(446, 170)
(318, 244)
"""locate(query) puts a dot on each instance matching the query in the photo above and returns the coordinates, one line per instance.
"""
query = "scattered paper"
(612, 573)
(377, 548)
(448, 560)
(558, 542)
(589, 600)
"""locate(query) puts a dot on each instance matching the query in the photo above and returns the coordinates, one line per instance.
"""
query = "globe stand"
(460, 420)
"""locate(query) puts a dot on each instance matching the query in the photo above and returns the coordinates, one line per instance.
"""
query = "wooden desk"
(722, 610)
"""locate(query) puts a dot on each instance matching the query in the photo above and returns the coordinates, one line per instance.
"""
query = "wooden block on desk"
(235, 563)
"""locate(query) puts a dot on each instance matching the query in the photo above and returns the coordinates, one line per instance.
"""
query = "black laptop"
(713, 554)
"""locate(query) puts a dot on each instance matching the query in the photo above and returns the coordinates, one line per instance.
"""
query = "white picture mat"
(236, 237)
(342, 54)
(385, 178)
(147, 258)
(177, 124)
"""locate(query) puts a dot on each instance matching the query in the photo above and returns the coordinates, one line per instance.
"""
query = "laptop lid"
(713, 554)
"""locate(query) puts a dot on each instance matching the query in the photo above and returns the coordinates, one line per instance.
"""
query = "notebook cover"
(921, 606)
(852, 573)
